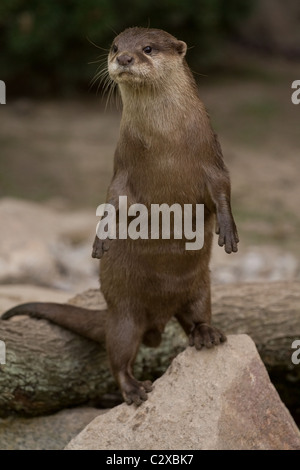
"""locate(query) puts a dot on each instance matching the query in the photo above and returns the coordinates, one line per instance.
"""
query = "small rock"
(252, 264)
(46, 247)
(11, 295)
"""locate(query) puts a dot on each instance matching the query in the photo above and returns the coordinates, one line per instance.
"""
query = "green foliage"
(45, 47)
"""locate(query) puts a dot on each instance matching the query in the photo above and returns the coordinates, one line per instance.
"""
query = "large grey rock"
(51, 432)
(213, 399)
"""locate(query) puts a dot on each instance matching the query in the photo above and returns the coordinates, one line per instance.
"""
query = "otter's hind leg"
(123, 338)
(195, 320)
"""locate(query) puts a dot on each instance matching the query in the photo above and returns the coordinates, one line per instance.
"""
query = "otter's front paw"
(228, 235)
(136, 392)
(100, 247)
(205, 335)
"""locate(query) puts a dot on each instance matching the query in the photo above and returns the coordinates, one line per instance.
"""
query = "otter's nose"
(125, 59)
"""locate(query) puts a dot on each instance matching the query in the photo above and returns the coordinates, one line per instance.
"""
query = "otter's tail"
(85, 322)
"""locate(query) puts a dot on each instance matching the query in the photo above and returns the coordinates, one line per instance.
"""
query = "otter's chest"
(166, 175)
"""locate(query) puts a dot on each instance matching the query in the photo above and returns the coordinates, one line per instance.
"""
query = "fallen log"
(48, 368)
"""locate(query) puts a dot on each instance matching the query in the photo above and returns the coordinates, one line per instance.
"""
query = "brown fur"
(167, 153)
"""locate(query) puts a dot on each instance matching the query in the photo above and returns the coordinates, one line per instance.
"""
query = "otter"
(167, 153)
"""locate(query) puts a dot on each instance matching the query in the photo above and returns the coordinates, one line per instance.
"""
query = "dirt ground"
(61, 152)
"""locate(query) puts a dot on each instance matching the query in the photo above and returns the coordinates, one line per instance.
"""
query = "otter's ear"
(181, 48)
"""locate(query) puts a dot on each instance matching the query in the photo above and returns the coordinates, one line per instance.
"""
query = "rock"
(211, 399)
(46, 247)
(46, 432)
(253, 264)
(56, 250)
(11, 295)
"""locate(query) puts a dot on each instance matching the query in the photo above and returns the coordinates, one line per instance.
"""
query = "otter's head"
(141, 56)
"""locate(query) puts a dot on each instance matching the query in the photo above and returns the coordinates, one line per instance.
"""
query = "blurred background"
(58, 134)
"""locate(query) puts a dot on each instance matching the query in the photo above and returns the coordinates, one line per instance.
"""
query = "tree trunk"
(48, 368)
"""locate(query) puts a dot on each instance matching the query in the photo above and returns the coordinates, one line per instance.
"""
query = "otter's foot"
(203, 334)
(100, 247)
(136, 392)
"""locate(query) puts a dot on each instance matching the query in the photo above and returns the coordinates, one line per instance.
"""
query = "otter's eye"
(147, 49)
(114, 48)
